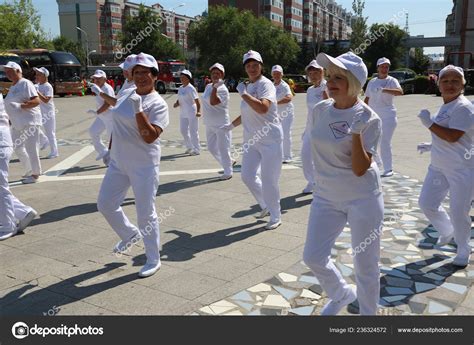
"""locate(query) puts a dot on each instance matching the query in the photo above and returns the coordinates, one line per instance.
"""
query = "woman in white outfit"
(103, 121)
(345, 134)
(452, 165)
(262, 148)
(48, 111)
(215, 106)
(22, 106)
(190, 112)
(285, 110)
(11, 209)
(138, 122)
(126, 90)
(379, 95)
(315, 94)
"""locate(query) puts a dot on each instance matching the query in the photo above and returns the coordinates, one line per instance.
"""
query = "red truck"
(168, 77)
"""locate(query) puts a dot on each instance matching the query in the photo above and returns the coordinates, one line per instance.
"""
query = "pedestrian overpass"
(424, 42)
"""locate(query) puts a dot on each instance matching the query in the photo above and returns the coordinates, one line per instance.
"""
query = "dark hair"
(154, 72)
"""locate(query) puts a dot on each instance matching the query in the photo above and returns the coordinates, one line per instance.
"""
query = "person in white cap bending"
(215, 106)
(315, 94)
(14, 215)
(48, 111)
(126, 90)
(285, 110)
(345, 134)
(190, 112)
(452, 164)
(262, 148)
(379, 95)
(22, 106)
(102, 122)
(138, 122)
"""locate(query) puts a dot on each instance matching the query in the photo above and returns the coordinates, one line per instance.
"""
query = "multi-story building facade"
(306, 20)
(460, 22)
(101, 22)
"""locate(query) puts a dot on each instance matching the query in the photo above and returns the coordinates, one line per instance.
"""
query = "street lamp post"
(87, 49)
(88, 55)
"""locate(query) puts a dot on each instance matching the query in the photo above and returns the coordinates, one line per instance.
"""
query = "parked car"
(301, 83)
(406, 80)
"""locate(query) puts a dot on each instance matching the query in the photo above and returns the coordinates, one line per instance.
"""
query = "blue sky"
(421, 22)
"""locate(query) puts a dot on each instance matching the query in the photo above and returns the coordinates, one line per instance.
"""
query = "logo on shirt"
(340, 129)
(442, 116)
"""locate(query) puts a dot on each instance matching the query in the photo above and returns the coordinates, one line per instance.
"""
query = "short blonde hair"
(354, 87)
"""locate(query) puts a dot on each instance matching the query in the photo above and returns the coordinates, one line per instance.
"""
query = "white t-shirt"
(261, 127)
(216, 115)
(331, 146)
(108, 90)
(186, 97)
(457, 114)
(5, 135)
(22, 92)
(128, 146)
(47, 90)
(382, 102)
(283, 90)
(314, 95)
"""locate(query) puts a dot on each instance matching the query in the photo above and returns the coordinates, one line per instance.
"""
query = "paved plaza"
(217, 258)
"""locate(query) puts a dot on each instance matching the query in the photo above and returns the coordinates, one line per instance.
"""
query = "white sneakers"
(194, 153)
(149, 269)
(387, 173)
(334, 307)
(188, 151)
(309, 188)
(444, 240)
(22, 224)
(462, 258)
(7, 234)
(52, 155)
(265, 212)
(123, 246)
(225, 177)
(273, 224)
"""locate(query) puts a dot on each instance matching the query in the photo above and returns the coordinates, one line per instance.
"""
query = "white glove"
(242, 89)
(360, 123)
(425, 118)
(15, 105)
(95, 89)
(228, 127)
(91, 111)
(423, 147)
(218, 84)
(136, 101)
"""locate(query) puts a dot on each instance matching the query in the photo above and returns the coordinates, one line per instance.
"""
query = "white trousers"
(218, 144)
(189, 128)
(385, 152)
(261, 169)
(460, 185)
(49, 126)
(11, 208)
(25, 144)
(144, 183)
(287, 124)
(307, 159)
(95, 131)
(326, 222)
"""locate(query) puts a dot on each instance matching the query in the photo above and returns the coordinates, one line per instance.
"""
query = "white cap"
(277, 68)
(252, 54)
(145, 60)
(313, 64)
(449, 68)
(218, 66)
(128, 62)
(12, 65)
(383, 60)
(347, 61)
(187, 73)
(42, 70)
(99, 74)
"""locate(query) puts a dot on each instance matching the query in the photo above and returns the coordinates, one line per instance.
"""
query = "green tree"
(227, 33)
(359, 25)
(62, 43)
(143, 34)
(422, 62)
(384, 40)
(20, 26)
